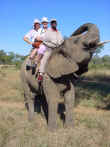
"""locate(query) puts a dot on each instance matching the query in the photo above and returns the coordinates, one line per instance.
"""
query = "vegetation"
(11, 58)
(100, 62)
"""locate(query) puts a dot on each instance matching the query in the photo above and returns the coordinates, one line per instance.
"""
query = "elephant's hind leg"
(31, 110)
(69, 105)
(29, 101)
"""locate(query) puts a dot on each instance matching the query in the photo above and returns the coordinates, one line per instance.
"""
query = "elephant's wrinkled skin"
(71, 58)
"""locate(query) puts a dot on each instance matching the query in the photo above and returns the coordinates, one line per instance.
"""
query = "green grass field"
(92, 115)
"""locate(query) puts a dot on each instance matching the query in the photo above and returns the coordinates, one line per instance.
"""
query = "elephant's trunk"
(89, 34)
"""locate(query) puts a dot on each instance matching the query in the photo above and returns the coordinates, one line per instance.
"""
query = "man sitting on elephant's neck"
(51, 40)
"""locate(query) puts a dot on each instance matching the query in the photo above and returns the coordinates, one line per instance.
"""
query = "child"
(40, 49)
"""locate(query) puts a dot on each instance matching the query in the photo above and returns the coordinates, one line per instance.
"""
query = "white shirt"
(42, 32)
(32, 34)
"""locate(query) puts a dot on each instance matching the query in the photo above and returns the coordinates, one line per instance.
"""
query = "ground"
(91, 128)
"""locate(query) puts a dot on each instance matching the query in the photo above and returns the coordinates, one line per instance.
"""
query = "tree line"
(11, 58)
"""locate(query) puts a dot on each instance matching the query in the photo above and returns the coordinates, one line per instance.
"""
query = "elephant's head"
(83, 41)
(76, 49)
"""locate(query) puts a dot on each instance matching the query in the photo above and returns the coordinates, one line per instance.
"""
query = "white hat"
(45, 19)
(36, 21)
(53, 19)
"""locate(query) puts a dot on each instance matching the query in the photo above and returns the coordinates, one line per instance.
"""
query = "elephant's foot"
(52, 123)
(30, 116)
(69, 122)
(52, 120)
(69, 125)
(52, 127)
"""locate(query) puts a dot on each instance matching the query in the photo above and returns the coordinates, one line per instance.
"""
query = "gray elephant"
(69, 61)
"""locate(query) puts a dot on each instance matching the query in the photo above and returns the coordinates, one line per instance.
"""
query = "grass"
(10, 87)
(94, 89)
(91, 128)
(15, 130)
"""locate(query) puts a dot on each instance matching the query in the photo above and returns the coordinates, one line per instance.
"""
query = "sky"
(16, 19)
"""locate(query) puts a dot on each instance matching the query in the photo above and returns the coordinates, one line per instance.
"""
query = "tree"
(2, 57)
(11, 58)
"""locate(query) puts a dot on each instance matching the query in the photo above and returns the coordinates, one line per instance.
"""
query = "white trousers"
(44, 60)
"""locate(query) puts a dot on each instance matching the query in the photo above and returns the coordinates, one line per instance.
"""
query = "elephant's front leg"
(69, 104)
(52, 95)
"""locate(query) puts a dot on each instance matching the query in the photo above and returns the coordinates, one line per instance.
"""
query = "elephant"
(68, 62)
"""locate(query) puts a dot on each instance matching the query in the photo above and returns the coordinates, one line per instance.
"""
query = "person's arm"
(27, 37)
(60, 39)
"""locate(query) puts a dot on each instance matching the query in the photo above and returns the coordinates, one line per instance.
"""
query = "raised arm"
(27, 37)
(27, 40)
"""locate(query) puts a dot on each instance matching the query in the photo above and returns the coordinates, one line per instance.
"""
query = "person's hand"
(38, 38)
(36, 44)
(31, 43)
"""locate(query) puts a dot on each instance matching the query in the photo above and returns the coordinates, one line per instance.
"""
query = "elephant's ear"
(59, 65)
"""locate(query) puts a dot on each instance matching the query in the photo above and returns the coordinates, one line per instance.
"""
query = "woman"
(30, 37)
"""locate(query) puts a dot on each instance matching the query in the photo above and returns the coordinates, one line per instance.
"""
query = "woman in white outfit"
(32, 34)
(30, 37)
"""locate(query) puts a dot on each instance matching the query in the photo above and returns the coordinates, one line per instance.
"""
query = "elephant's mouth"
(92, 46)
